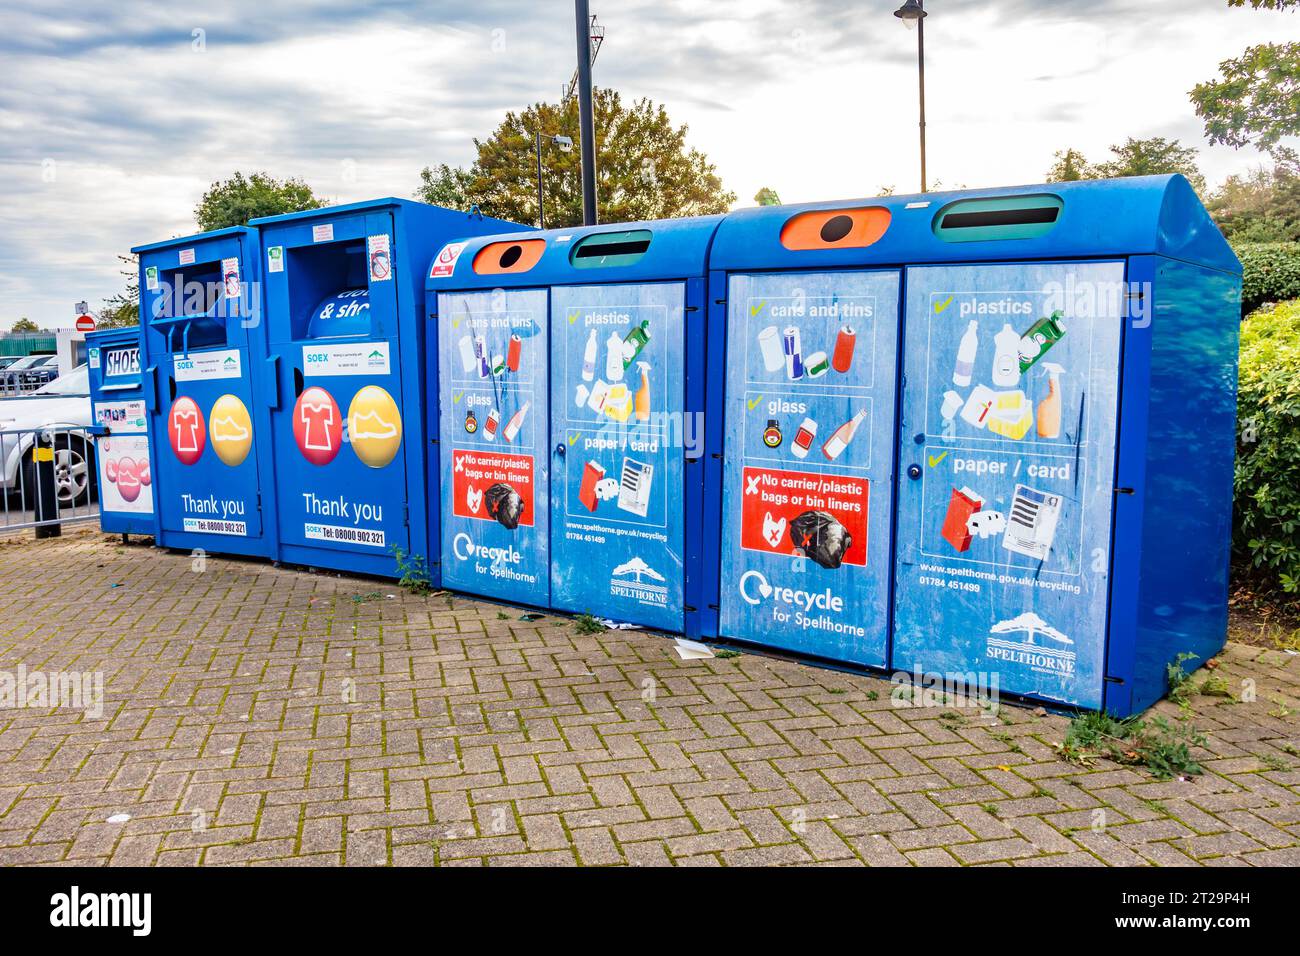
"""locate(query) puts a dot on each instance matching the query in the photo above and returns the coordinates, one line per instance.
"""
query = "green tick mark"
(573, 317)
(754, 402)
(456, 397)
(940, 306)
(755, 309)
(934, 461)
(573, 439)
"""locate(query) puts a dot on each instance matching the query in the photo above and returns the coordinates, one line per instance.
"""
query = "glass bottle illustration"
(841, 437)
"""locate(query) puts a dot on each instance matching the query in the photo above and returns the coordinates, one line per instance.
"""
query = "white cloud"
(816, 98)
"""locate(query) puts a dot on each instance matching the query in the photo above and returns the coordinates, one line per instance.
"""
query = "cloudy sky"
(115, 117)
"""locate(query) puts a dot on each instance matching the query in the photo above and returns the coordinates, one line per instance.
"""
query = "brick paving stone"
(475, 741)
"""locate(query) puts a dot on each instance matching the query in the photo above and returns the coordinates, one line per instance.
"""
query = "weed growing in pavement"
(1164, 749)
(413, 571)
(586, 624)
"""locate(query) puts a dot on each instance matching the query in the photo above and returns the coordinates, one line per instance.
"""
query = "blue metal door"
(339, 424)
(196, 318)
(492, 403)
(808, 462)
(1007, 459)
(618, 438)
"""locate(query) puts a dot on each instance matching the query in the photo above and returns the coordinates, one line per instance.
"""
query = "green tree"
(239, 199)
(1262, 205)
(1133, 157)
(1068, 166)
(645, 170)
(25, 325)
(1255, 100)
(123, 309)
(767, 197)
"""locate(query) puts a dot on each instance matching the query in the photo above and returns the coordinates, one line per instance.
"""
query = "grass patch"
(1164, 749)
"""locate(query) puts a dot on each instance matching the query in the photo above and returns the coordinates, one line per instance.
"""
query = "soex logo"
(754, 589)
(464, 548)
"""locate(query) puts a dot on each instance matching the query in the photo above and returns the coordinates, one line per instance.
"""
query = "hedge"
(1266, 522)
(1270, 273)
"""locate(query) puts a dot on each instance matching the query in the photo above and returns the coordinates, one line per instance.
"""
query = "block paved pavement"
(255, 715)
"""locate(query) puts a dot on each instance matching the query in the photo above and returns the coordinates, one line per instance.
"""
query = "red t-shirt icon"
(317, 426)
(186, 431)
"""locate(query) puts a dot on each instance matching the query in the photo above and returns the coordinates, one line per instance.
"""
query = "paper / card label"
(187, 257)
(205, 366)
(323, 232)
(360, 358)
(379, 257)
(275, 259)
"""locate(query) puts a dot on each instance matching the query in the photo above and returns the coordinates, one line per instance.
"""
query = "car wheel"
(74, 470)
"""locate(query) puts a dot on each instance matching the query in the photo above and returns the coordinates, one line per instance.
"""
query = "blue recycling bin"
(199, 308)
(982, 437)
(123, 459)
(341, 356)
(570, 393)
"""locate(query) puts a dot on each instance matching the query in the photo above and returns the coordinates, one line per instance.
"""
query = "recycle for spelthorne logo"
(637, 580)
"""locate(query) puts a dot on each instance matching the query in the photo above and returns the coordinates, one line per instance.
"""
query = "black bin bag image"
(820, 537)
(504, 504)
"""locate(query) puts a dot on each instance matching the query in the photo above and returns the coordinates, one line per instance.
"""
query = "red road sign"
(85, 323)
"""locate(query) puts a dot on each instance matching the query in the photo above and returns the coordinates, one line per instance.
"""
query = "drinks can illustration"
(480, 352)
(514, 354)
(498, 364)
(468, 356)
(842, 360)
(803, 438)
(818, 365)
(769, 346)
(793, 352)
(490, 426)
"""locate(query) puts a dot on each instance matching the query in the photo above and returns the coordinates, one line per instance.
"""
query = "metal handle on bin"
(273, 382)
(151, 388)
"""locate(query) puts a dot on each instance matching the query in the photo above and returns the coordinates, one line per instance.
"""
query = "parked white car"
(64, 405)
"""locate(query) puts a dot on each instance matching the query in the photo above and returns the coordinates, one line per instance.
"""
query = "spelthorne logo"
(755, 589)
(75, 909)
(637, 580)
(464, 548)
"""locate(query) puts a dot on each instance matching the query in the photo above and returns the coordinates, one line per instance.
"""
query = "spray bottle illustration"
(1049, 409)
(642, 403)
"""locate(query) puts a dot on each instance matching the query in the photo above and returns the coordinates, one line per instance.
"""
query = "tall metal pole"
(541, 208)
(920, 57)
(586, 116)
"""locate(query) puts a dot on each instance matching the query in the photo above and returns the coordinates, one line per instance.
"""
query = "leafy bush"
(1270, 273)
(1266, 536)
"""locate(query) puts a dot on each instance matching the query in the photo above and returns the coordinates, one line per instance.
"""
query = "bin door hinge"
(719, 301)
(1123, 491)
(259, 501)
(690, 608)
(406, 515)
(1113, 680)
(691, 308)
(713, 607)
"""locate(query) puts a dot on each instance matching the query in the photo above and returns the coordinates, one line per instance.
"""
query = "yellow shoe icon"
(374, 426)
(231, 430)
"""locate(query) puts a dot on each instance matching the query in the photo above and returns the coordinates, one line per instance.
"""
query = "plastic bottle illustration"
(1049, 409)
(516, 420)
(635, 341)
(841, 437)
(970, 343)
(1006, 357)
(589, 358)
(643, 393)
(614, 358)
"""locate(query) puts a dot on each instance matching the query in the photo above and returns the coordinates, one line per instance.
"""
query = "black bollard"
(46, 491)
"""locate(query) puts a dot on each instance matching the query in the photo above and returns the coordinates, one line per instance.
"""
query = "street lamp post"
(566, 144)
(913, 14)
